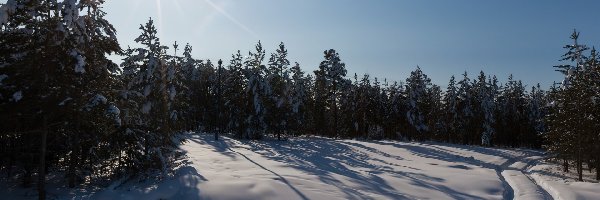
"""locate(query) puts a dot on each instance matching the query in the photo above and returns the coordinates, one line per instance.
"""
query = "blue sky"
(385, 38)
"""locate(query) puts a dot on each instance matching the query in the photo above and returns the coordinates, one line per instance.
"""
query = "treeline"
(252, 98)
(574, 117)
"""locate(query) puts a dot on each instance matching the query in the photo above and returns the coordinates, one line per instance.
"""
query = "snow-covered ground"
(321, 168)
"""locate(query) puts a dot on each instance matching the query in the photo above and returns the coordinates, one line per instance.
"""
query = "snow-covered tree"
(279, 100)
(332, 74)
(485, 96)
(465, 108)
(233, 95)
(298, 97)
(150, 81)
(573, 119)
(451, 110)
(396, 109)
(188, 73)
(57, 81)
(416, 89)
(257, 90)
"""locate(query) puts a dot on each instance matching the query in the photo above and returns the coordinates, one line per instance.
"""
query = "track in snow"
(513, 173)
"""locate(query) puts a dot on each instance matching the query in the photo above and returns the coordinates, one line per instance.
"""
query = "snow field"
(322, 168)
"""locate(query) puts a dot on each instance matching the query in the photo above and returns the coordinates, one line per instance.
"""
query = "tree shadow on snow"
(328, 159)
(219, 146)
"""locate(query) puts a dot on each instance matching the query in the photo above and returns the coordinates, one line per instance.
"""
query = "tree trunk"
(42, 165)
(565, 165)
(27, 177)
(598, 167)
(579, 165)
(71, 170)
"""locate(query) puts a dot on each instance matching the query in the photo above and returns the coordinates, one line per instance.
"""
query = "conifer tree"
(465, 108)
(334, 72)
(299, 96)
(258, 89)
(451, 110)
(279, 102)
(233, 95)
(151, 83)
(56, 83)
(417, 86)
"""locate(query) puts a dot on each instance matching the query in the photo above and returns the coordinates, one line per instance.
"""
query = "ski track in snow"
(514, 175)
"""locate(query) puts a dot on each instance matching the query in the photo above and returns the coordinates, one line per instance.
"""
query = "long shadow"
(221, 146)
(328, 159)
(433, 152)
(323, 157)
(440, 154)
(281, 178)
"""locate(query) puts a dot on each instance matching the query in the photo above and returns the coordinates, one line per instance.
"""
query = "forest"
(68, 108)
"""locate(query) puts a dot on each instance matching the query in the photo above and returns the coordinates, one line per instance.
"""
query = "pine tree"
(188, 73)
(465, 109)
(334, 71)
(435, 112)
(279, 102)
(151, 83)
(364, 105)
(417, 86)
(397, 104)
(571, 120)
(451, 110)
(486, 99)
(258, 89)
(56, 82)
(536, 106)
(320, 96)
(299, 96)
(234, 100)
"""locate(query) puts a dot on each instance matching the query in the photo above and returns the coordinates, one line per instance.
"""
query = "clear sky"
(385, 38)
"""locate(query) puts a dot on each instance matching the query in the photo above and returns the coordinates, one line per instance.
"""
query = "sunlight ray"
(231, 18)
(136, 7)
(159, 16)
(178, 7)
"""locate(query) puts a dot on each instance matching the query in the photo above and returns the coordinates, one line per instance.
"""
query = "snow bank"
(523, 188)
(563, 188)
